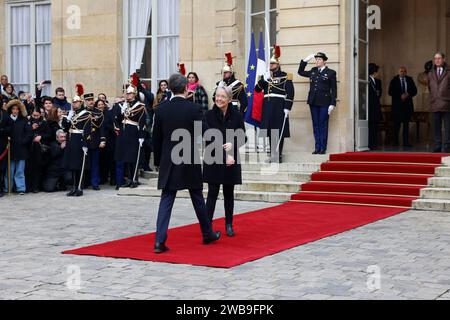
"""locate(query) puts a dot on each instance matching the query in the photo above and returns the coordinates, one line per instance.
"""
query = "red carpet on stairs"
(352, 190)
(258, 234)
(378, 179)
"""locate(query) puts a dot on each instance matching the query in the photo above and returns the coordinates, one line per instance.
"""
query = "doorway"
(411, 32)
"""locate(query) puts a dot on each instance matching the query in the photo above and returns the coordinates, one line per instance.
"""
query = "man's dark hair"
(47, 98)
(178, 83)
(58, 90)
(373, 68)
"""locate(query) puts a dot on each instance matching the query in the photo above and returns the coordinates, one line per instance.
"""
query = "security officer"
(97, 139)
(130, 125)
(77, 124)
(278, 100)
(322, 97)
(239, 99)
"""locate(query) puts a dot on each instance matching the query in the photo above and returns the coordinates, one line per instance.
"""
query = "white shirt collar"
(321, 69)
(177, 96)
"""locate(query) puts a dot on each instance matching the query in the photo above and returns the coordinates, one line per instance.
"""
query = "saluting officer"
(130, 126)
(278, 100)
(322, 97)
(239, 99)
(77, 125)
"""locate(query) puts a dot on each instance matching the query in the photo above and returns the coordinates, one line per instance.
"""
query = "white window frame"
(33, 44)
(248, 26)
(154, 37)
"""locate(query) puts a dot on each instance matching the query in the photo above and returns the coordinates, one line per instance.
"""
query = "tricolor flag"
(250, 83)
(258, 98)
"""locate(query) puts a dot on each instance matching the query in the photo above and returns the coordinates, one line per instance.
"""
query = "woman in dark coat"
(223, 168)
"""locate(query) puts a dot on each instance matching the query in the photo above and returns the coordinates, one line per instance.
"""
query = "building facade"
(100, 43)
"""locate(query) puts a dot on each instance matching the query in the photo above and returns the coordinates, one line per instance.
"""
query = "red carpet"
(259, 234)
(352, 190)
(378, 179)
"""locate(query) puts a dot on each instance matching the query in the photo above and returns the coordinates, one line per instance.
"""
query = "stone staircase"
(273, 183)
(436, 197)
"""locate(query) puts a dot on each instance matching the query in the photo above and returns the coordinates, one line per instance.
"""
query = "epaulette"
(290, 76)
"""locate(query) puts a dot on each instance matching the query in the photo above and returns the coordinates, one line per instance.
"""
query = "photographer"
(35, 164)
(57, 178)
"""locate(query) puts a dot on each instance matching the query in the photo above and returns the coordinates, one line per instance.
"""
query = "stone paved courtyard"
(409, 252)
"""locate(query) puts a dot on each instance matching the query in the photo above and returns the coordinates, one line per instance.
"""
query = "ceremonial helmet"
(276, 55)
(133, 84)
(229, 63)
(79, 90)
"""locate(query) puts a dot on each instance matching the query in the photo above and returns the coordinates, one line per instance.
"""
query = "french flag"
(258, 98)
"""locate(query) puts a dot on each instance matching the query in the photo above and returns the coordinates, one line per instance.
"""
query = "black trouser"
(76, 176)
(57, 183)
(400, 120)
(165, 211)
(438, 117)
(213, 194)
(373, 135)
(107, 167)
(131, 169)
(273, 148)
(2, 178)
(33, 171)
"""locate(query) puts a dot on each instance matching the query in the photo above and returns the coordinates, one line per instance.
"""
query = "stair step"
(261, 186)
(443, 172)
(432, 205)
(440, 182)
(281, 167)
(299, 177)
(436, 193)
(389, 157)
(368, 189)
(271, 197)
(354, 199)
(374, 168)
(404, 179)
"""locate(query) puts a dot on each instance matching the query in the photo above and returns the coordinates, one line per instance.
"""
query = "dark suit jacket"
(171, 116)
(323, 86)
(375, 93)
(401, 108)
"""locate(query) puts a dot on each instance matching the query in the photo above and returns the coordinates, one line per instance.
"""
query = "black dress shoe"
(117, 188)
(134, 185)
(78, 193)
(71, 193)
(407, 145)
(96, 188)
(322, 152)
(214, 236)
(230, 231)
(315, 152)
(437, 150)
(160, 248)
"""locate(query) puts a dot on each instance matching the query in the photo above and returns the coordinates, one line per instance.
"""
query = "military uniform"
(131, 123)
(278, 96)
(78, 129)
(322, 95)
(239, 99)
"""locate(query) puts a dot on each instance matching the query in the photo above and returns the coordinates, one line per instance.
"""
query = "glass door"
(361, 76)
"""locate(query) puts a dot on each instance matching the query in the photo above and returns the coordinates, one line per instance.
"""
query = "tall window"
(257, 13)
(29, 44)
(152, 39)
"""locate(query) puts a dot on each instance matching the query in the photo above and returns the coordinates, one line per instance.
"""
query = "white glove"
(330, 109)
(141, 142)
(267, 76)
(71, 114)
(123, 107)
(286, 112)
(85, 150)
(309, 58)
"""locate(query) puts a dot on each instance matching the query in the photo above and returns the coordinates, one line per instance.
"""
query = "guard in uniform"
(322, 97)
(77, 125)
(278, 100)
(96, 140)
(130, 125)
(239, 99)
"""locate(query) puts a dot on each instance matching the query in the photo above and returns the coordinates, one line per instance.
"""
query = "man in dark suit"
(322, 97)
(402, 89)
(175, 120)
(375, 115)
